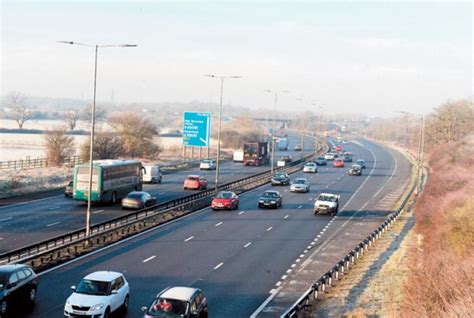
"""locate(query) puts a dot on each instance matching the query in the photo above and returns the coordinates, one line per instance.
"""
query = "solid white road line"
(52, 224)
(148, 259)
(6, 219)
(248, 244)
(273, 293)
(218, 266)
(218, 224)
(189, 239)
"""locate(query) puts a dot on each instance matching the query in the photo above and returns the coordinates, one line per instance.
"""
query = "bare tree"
(136, 133)
(58, 145)
(106, 146)
(450, 122)
(71, 118)
(18, 103)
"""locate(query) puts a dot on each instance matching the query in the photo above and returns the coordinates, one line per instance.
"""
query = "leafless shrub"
(136, 134)
(106, 146)
(58, 145)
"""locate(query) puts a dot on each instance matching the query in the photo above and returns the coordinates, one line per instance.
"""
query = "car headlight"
(273, 202)
(261, 201)
(68, 306)
(97, 307)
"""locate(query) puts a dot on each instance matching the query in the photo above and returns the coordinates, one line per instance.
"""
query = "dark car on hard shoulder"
(18, 287)
(69, 190)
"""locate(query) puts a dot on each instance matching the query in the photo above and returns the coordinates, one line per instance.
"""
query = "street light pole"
(219, 127)
(274, 126)
(91, 146)
(302, 129)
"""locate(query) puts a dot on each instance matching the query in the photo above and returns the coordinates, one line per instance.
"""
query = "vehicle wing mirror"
(144, 309)
(73, 288)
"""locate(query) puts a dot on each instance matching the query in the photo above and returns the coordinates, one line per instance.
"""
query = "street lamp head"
(209, 75)
(235, 76)
(65, 42)
(268, 91)
(128, 45)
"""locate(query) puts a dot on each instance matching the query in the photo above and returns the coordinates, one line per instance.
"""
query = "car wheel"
(204, 313)
(107, 313)
(3, 307)
(159, 181)
(237, 206)
(185, 188)
(32, 295)
(125, 303)
(114, 198)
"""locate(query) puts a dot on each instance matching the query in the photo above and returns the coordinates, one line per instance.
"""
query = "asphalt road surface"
(31, 219)
(236, 257)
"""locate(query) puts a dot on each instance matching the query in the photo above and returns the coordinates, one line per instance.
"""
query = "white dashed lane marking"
(218, 266)
(98, 211)
(52, 224)
(148, 259)
(218, 224)
(6, 219)
(189, 239)
(248, 244)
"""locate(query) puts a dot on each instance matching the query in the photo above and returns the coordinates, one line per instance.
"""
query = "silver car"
(300, 185)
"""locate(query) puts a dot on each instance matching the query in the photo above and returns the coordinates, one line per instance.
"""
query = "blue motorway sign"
(196, 129)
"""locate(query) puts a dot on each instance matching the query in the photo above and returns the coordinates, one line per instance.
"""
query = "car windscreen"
(320, 158)
(327, 198)
(224, 195)
(206, 161)
(269, 195)
(93, 287)
(300, 181)
(309, 165)
(280, 176)
(168, 308)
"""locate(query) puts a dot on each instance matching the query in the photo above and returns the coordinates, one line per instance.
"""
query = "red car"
(338, 163)
(338, 148)
(225, 200)
(195, 183)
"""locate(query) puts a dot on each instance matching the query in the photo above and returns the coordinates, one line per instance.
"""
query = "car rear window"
(270, 195)
(135, 195)
(192, 178)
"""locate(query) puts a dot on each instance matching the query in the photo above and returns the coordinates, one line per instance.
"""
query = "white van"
(152, 174)
(238, 156)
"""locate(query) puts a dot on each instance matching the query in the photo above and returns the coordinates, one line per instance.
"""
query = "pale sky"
(352, 56)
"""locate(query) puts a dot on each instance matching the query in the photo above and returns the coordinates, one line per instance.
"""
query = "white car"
(327, 203)
(310, 167)
(330, 156)
(98, 295)
(207, 165)
(300, 185)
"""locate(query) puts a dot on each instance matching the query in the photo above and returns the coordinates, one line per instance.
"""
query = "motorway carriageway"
(26, 223)
(236, 257)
